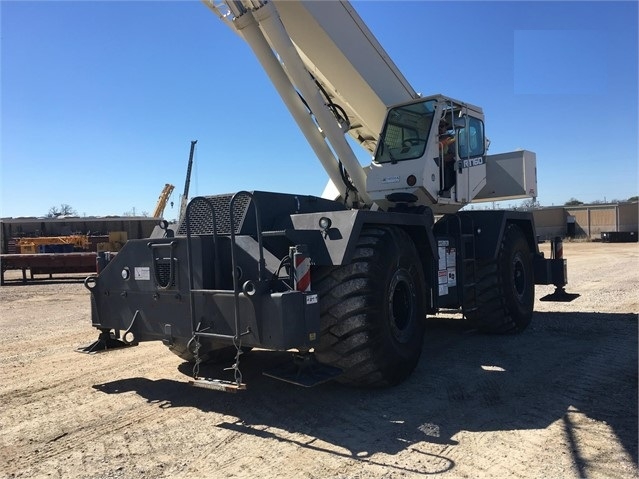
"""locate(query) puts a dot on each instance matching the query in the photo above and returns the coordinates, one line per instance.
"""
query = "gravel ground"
(559, 400)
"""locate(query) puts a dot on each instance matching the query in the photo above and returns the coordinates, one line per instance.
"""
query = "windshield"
(406, 132)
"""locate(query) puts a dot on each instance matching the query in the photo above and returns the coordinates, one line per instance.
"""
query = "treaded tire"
(372, 310)
(505, 287)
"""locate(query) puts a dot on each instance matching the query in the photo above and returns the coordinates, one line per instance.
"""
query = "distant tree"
(526, 205)
(633, 198)
(131, 212)
(63, 210)
(573, 202)
(530, 204)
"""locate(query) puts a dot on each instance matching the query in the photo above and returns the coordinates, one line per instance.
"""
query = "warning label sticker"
(452, 277)
(142, 273)
(451, 257)
(447, 270)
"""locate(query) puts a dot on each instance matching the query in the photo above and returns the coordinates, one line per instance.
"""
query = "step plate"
(217, 385)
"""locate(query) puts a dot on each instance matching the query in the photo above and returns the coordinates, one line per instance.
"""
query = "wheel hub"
(519, 277)
(401, 304)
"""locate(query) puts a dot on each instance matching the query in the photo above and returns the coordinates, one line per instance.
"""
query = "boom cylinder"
(276, 35)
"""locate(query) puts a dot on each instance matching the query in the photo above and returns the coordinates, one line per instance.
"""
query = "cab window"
(405, 134)
(471, 139)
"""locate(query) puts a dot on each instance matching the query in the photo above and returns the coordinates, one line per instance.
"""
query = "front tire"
(372, 310)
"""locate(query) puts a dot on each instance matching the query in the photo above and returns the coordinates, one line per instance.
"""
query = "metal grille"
(393, 138)
(200, 215)
(163, 273)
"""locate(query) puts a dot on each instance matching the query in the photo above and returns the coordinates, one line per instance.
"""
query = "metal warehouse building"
(586, 221)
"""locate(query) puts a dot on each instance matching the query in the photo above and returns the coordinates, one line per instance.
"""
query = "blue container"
(55, 248)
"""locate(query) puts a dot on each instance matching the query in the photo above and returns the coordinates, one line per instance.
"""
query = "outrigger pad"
(560, 295)
(217, 385)
(104, 343)
(306, 373)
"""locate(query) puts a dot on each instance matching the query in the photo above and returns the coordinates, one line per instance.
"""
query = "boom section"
(331, 73)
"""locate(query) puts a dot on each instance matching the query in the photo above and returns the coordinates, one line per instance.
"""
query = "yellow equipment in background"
(115, 243)
(30, 245)
(164, 197)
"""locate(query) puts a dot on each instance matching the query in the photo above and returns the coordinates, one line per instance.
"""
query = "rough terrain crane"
(347, 280)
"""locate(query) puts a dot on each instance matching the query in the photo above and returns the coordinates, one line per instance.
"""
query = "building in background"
(586, 221)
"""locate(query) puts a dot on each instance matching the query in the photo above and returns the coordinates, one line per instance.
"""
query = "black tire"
(505, 287)
(372, 310)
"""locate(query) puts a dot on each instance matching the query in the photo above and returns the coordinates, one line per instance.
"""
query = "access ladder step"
(218, 385)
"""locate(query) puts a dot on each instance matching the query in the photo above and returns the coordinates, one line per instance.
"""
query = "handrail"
(261, 263)
(189, 254)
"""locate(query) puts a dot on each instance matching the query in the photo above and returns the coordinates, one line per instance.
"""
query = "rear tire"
(372, 310)
(505, 287)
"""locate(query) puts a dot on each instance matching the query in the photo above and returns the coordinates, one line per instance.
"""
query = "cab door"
(470, 171)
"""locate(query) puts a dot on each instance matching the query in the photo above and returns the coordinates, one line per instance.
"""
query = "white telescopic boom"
(248, 29)
(280, 41)
(340, 51)
(302, 45)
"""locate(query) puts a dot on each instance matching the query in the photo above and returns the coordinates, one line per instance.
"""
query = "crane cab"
(431, 151)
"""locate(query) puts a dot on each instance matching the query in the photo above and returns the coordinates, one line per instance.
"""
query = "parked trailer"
(48, 263)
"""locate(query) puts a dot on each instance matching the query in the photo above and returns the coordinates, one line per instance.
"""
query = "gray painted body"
(154, 292)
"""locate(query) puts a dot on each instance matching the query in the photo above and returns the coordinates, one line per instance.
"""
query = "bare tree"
(63, 210)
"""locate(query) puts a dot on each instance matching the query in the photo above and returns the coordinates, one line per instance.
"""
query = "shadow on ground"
(564, 364)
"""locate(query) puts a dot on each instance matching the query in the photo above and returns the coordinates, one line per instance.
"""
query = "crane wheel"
(505, 287)
(372, 310)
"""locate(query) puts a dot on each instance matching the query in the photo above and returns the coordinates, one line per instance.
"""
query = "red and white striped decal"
(302, 272)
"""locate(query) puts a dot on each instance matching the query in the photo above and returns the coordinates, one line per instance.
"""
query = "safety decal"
(142, 273)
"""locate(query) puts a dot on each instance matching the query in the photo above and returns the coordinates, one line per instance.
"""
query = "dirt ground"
(559, 400)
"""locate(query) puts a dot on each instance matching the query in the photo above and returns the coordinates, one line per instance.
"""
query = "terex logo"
(390, 179)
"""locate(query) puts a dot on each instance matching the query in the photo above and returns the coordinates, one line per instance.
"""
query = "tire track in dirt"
(105, 425)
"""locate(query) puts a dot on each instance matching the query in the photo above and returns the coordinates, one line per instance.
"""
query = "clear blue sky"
(100, 100)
